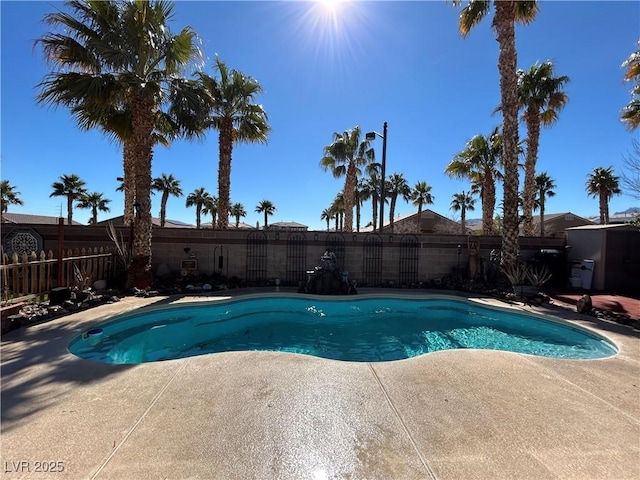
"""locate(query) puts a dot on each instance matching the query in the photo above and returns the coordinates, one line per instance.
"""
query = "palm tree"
(237, 210)
(397, 186)
(506, 14)
(210, 207)
(544, 188)
(198, 198)
(168, 185)
(601, 182)
(360, 194)
(337, 207)
(327, 215)
(119, 57)
(95, 201)
(8, 196)
(541, 97)
(372, 189)
(462, 202)
(266, 207)
(345, 157)
(232, 111)
(479, 162)
(69, 186)
(421, 195)
(631, 112)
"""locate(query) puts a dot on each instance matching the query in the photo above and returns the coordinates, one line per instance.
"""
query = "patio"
(461, 414)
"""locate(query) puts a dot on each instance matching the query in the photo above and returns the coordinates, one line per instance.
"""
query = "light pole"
(372, 136)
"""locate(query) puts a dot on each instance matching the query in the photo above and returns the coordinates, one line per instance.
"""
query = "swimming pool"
(362, 329)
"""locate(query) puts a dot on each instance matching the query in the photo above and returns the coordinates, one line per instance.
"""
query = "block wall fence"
(437, 255)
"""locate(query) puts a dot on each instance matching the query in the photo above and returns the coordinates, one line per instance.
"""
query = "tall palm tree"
(327, 215)
(95, 201)
(372, 188)
(421, 195)
(506, 14)
(266, 207)
(8, 196)
(115, 122)
(210, 207)
(168, 185)
(360, 194)
(345, 157)
(542, 98)
(544, 188)
(397, 186)
(602, 183)
(232, 111)
(72, 187)
(198, 198)
(237, 210)
(337, 207)
(114, 55)
(480, 162)
(631, 112)
(462, 202)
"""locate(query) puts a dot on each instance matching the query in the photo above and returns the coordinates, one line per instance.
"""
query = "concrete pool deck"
(461, 414)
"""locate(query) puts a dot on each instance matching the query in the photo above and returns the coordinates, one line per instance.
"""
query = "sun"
(330, 6)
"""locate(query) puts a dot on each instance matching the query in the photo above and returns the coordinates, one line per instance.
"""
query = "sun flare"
(330, 6)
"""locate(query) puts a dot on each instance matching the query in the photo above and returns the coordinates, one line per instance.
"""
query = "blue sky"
(325, 71)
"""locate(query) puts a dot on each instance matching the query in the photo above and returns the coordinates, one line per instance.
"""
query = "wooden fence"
(38, 274)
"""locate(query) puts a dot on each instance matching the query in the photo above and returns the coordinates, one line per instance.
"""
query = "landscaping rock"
(584, 305)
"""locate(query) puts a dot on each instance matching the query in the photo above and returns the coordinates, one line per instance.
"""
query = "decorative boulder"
(584, 305)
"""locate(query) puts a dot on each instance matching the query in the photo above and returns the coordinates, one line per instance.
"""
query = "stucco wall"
(437, 254)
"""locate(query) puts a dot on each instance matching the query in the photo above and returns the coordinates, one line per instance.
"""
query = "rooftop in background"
(621, 217)
(156, 222)
(287, 226)
(25, 218)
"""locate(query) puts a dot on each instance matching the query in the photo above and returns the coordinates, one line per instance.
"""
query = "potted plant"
(526, 280)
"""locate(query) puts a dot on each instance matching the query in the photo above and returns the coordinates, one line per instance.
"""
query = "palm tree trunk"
(224, 174)
(266, 223)
(198, 214)
(392, 211)
(374, 201)
(129, 183)
(142, 121)
(69, 209)
(163, 207)
(327, 224)
(533, 139)
(463, 220)
(603, 209)
(94, 215)
(350, 185)
(419, 219)
(488, 198)
(503, 24)
(541, 213)
(358, 216)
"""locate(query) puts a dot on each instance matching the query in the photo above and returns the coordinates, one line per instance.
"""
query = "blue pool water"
(363, 329)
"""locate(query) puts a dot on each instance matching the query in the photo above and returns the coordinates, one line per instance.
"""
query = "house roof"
(21, 218)
(548, 217)
(426, 211)
(611, 226)
(241, 225)
(288, 225)
(119, 220)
